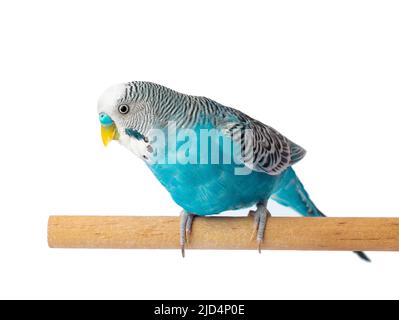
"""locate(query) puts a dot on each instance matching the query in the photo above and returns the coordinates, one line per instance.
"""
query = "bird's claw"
(260, 220)
(183, 251)
(186, 223)
(260, 242)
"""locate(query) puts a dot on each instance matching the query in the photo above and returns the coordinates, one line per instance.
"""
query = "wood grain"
(352, 234)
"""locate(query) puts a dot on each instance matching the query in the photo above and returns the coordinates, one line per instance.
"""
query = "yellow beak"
(109, 133)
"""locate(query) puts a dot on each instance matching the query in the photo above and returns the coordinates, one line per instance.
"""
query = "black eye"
(123, 108)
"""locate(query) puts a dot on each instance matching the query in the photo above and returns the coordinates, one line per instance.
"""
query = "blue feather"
(206, 189)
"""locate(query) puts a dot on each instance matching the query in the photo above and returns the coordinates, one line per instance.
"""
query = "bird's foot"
(186, 224)
(260, 220)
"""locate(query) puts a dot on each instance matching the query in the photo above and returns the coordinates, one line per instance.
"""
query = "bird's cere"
(105, 119)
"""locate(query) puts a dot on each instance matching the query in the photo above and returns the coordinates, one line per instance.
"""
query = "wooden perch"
(352, 234)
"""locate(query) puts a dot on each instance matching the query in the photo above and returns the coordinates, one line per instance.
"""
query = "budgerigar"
(240, 163)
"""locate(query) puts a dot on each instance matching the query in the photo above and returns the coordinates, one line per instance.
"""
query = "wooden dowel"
(352, 234)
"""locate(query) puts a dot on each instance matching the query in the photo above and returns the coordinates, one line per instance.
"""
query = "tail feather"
(291, 193)
(362, 256)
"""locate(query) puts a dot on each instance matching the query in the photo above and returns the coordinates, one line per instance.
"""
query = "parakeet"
(210, 157)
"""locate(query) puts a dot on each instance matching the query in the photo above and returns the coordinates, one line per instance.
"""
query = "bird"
(211, 158)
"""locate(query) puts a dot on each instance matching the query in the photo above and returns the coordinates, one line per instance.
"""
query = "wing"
(262, 147)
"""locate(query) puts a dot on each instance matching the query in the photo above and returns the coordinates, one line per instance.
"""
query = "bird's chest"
(203, 175)
(200, 170)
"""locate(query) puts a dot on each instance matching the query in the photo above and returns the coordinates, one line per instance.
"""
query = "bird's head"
(121, 107)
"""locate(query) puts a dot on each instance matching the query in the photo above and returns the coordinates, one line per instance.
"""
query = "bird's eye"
(123, 108)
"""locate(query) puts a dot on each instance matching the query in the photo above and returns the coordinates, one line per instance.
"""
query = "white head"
(126, 113)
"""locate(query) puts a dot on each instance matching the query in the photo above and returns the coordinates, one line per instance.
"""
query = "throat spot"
(138, 147)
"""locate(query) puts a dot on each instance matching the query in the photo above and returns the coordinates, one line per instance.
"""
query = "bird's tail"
(292, 193)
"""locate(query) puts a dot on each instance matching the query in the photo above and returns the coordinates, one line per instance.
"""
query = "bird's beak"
(109, 133)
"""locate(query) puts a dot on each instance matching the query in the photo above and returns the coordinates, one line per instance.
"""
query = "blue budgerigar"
(211, 158)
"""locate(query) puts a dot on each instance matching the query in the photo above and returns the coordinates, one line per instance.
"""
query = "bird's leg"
(260, 220)
(186, 224)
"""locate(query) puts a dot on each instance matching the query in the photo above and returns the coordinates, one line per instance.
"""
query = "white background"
(324, 73)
